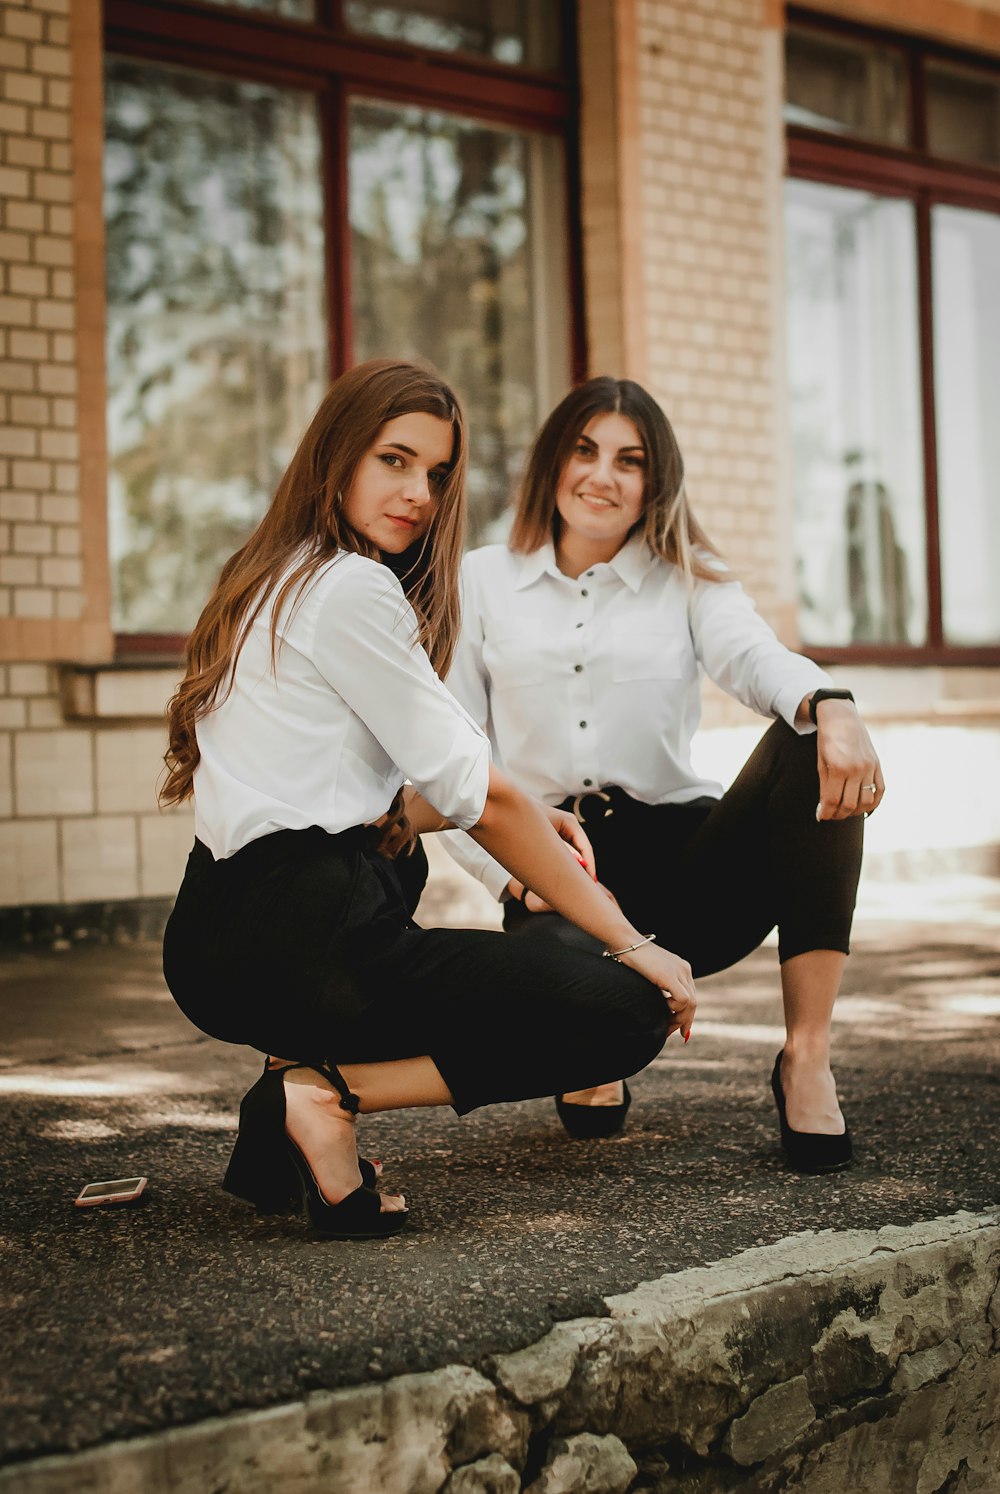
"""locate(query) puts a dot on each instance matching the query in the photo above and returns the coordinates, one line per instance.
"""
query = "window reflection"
(855, 416)
(216, 322)
(845, 85)
(521, 33)
(963, 113)
(966, 253)
(458, 239)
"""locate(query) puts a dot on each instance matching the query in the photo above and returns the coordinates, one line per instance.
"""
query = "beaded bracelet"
(616, 954)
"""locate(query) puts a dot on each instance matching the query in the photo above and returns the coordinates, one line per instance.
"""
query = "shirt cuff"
(791, 696)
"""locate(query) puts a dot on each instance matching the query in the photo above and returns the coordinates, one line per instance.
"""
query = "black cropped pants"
(712, 878)
(302, 945)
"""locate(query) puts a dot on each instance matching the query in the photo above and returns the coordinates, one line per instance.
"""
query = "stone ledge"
(796, 1366)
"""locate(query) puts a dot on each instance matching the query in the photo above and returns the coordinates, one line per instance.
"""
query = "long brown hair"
(305, 525)
(669, 527)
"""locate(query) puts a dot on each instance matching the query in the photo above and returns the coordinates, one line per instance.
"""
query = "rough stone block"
(492, 1475)
(773, 1422)
(586, 1465)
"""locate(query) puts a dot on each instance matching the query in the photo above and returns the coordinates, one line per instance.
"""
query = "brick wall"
(40, 522)
(78, 816)
(709, 115)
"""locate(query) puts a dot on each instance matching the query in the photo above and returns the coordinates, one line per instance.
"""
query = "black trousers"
(712, 878)
(302, 945)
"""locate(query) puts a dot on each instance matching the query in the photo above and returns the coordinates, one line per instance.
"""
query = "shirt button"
(583, 723)
(587, 782)
(584, 592)
(577, 668)
(589, 574)
(579, 625)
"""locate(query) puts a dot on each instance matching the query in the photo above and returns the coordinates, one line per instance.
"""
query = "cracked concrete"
(844, 1360)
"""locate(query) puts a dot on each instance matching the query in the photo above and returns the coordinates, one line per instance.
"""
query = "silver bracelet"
(616, 954)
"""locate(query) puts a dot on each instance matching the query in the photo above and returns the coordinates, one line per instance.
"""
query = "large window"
(892, 213)
(291, 187)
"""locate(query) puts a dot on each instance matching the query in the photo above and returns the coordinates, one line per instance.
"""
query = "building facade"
(785, 222)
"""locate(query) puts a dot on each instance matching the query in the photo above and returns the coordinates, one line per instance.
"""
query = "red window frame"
(926, 180)
(335, 64)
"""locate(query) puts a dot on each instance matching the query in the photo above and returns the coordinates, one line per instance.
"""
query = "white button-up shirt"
(580, 683)
(326, 738)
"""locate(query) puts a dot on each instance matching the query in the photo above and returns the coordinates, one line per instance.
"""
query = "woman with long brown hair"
(582, 647)
(311, 695)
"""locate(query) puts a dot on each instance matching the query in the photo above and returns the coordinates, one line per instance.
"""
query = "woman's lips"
(404, 523)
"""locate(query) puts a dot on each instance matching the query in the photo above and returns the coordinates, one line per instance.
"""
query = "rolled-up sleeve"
(740, 652)
(365, 645)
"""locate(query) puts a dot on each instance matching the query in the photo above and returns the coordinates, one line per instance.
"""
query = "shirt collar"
(631, 565)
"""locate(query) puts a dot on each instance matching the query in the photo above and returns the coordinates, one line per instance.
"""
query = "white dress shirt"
(597, 680)
(352, 709)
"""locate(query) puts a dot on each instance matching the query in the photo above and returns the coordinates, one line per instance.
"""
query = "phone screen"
(106, 1190)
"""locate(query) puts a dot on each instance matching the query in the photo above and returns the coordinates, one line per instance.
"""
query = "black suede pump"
(809, 1151)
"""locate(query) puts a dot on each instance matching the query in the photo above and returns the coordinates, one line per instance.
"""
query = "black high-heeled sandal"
(809, 1151)
(269, 1171)
(592, 1122)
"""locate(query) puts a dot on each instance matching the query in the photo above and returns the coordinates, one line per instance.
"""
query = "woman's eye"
(391, 459)
(582, 450)
(632, 461)
(438, 479)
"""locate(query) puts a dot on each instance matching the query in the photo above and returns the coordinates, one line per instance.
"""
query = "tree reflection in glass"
(458, 252)
(216, 340)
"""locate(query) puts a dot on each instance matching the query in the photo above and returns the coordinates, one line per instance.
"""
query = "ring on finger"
(869, 788)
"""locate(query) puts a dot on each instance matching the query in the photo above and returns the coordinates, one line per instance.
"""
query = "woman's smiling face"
(602, 486)
(394, 493)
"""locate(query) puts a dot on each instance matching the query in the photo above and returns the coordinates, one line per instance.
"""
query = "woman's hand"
(850, 776)
(674, 978)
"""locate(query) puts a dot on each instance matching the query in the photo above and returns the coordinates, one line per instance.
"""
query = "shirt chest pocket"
(644, 653)
(514, 654)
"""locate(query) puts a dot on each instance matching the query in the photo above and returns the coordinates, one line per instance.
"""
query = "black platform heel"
(591, 1122)
(809, 1151)
(269, 1171)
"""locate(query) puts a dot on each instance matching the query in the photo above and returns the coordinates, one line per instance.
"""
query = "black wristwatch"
(819, 695)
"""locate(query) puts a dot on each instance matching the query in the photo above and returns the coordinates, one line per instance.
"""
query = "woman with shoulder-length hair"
(582, 646)
(311, 694)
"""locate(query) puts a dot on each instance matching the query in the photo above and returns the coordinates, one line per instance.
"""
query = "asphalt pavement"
(118, 1322)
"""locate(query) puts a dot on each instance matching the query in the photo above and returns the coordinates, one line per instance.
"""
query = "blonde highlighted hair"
(305, 525)
(669, 527)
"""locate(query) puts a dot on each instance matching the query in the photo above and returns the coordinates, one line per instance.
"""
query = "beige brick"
(165, 841)
(51, 124)
(69, 605)
(57, 32)
(63, 348)
(32, 474)
(69, 541)
(67, 477)
(13, 714)
(57, 510)
(51, 186)
(62, 571)
(29, 679)
(60, 157)
(19, 152)
(34, 602)
(15, 311)
(18, 570)
(13, 118)
(15, 247)
(18, 443)
(99, 858)
(24, 88)
(20, 376)
(57, 94)
(13, 53)
(20, 22)
(30, 409)
(33, 539)
(60, 220)
(48, 250)
(54, 772)
(60, 444)
(64, 413)
(54, 7)
(29, 866)
(52, 61)
(34, 345)
(6, 602)
(18, 506)
(55, 316)
(25, 215)
(55, 379)
(29, 280)
(63, 284)
(45, 713)
(128, 765)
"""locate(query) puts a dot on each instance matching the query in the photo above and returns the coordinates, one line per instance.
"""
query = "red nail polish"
(687, 1037)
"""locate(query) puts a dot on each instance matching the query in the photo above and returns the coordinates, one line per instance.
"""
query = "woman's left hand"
(850, 775)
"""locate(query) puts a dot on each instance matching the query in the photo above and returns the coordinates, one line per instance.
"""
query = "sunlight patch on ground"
(90, 1086)
(973, 1006)
(78, 1130)
(739, 1034)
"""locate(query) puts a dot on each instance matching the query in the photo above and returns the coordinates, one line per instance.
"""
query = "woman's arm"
(848, 763)
(518, 832)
